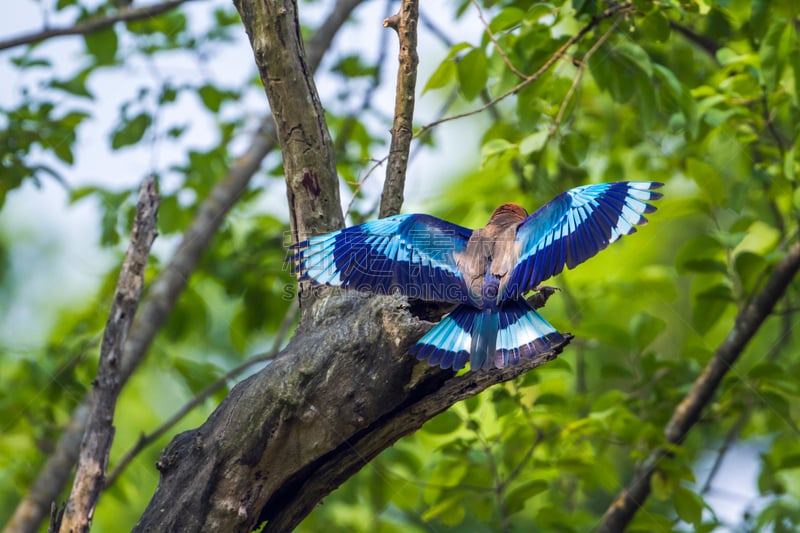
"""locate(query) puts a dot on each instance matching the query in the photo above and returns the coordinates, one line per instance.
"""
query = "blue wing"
(413, 254)
(574, 226)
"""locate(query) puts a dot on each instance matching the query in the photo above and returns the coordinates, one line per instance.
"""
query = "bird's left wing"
(413, 254)
(574, 226)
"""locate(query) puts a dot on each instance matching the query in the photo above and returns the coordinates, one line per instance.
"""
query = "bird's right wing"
(412, 254)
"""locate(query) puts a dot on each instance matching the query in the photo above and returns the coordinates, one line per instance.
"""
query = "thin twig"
(497, 46)
(610, 12)
(146, 439)
(405, 22)
(730, 438)
(360, 184)
(93, 24)
(688, 412)
(581, 69)
(93, 458)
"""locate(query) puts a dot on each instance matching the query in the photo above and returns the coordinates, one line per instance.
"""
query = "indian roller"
(486, 272)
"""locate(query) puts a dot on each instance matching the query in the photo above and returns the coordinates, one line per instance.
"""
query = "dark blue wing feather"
(574, 226)
(413, 254)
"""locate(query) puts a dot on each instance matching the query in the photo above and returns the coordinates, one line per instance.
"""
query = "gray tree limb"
(99, 434)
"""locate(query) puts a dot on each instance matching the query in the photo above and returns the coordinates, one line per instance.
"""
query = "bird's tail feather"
(487, 338)
(484, 339)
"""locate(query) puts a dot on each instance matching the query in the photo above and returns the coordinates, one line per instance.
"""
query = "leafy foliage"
(702, 95)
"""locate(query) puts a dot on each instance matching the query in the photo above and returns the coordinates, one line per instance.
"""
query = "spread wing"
(574, 226)
(413, 254)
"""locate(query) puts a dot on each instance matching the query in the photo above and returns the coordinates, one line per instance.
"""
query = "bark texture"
(342, 391)
(309, 163)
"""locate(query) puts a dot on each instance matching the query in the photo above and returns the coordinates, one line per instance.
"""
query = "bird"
(485, 272)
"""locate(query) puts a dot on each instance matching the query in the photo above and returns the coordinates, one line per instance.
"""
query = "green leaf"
(534, 142)
(352, 66)
(550, 399)
(609, 400)
(516, 498)
(708, 179)
(168, 95)
(73, 119)
(443, 424)
(636, 56)
(539, 10)
(449, 511)
(197, 375)
(656, 26)
(688, 505)
(473, 72)
(706, 312)
(645, 328)
(677, 95)
(444, 74)
(701, 254)
(719, 292)
(574, 148)
(585, 7)
(605, 332)
(789, 163)
(102, 44)
(615, 67)
(508, 17)
(130, 131)
(495, 147)
(790, 462)
(211, 97)
(75, 85)
(661, 485)
(772, 60)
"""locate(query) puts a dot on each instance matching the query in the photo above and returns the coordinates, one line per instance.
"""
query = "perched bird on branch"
(486, 271)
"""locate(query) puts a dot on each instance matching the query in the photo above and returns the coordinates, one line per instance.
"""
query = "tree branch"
(163, 294)
(145, 440)
(496, 43)
(93, 458)
(309, 162)
(578, 75)
(688, 412)
(343, 390)
(93, 24)
(405, 23)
